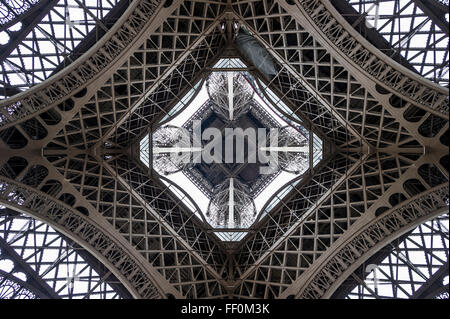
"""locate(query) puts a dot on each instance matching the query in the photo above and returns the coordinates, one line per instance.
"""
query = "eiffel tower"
(92, 207)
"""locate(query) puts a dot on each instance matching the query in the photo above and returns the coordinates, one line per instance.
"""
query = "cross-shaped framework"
(65, 157)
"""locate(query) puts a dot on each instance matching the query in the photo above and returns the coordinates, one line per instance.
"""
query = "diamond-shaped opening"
(231, 149)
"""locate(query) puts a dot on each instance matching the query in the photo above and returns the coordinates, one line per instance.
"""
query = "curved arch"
(411, 266)
(85, 232)
(10, 16)
(370, 238)
(18, 286)
(370, 60)
(82, 71)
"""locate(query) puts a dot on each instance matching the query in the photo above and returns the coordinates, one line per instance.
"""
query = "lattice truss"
(37, 260)
(411, 267)
(417, 30)
(38, 39)
(68, 155)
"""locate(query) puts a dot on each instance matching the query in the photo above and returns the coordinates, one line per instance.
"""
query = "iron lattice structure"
(166, 137)
(218, 85)
(75, 102)
(242, 206)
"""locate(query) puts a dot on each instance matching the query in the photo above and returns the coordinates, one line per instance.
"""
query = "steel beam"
(43, 289)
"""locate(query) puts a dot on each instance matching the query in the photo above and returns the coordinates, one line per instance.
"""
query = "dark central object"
(207, 176)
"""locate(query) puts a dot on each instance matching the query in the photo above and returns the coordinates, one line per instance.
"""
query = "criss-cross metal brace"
(50, 265)
(413, 266)
(67, 144)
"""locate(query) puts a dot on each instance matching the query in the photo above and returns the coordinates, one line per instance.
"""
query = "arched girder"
(350, 93)
(365, 61)
(73, 197)
(413, 265)
(29, 20)
(45, 41)
(12, 15)
(374, 185)
(108, 53)
(358, 196)
(133, 274)
(369, 239)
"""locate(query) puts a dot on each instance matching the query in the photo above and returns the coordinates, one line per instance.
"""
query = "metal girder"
(29, 22)
(423, 44)
(270, 14)
(356, 53)
(432, 287)
(301, 83)
(15, 288)
(409, 266)
(358, 22)
(173, 65)
(145, 68)
(16, 14)
(436, 11)
(336, 82)
(368, 241)
(305, 215)
(68, 268)
(169, 228)
(41, 288)
(8, 90)
(36, 187)
(41, 44)
(110, 51)
(388, 127)
(208, 283)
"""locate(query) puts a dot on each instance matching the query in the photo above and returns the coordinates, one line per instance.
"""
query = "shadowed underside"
(67, 155)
